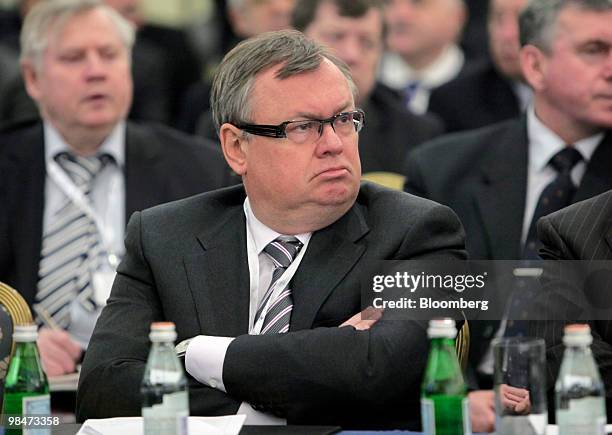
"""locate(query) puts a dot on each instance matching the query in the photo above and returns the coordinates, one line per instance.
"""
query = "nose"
(607, 71)
(350, 51)
(329, 142)
(509, 30)
(95, 68)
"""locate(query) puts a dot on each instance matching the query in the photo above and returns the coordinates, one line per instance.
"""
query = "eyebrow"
(309, 115)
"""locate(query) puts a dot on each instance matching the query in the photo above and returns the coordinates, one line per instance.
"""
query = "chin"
(338, 195)
(99, 121)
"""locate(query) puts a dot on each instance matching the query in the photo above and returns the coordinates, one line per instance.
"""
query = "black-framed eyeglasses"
(307, 130)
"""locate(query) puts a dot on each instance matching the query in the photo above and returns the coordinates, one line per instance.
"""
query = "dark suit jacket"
(186, 262)
(482, 176)
(478, 98)
(391, 131)
(582, 231)
(161, 165)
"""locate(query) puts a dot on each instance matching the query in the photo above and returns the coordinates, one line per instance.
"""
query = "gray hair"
(52, 15)
(538, 20)
(233, 82)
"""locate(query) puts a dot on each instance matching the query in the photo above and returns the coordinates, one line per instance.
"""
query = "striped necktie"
(282, 251)
(71, 245)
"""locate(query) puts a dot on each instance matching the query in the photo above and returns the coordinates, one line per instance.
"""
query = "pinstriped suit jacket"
(582, 231)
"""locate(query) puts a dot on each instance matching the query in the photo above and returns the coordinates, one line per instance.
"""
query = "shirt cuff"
(258, 418)
(204, 359)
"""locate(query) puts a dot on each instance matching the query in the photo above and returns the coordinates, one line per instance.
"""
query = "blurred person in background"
(422, 51)
(71, 181)
(494, 90)
(354, 29)
(246, 18)
(501, 179)
(163, 63)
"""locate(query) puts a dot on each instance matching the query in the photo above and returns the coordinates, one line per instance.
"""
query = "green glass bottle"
(444, 407)
(26, 390)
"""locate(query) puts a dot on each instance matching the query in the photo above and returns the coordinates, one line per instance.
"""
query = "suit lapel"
(332, 253)
(608, 237)
(219, 276)
(500, 198)
(144, 180)
(598, 176)
(29, 163)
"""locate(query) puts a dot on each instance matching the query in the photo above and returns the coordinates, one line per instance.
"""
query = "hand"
(515, 399)
(482, 410)
(365, 319)
(58, 351)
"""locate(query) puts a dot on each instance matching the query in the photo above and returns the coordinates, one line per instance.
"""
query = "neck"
(421, 61)
(85, 142)
(300, 221)
(568, 129)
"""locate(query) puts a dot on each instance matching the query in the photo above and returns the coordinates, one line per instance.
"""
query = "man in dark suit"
(260, 334)
(355, 31)
(493, 90)
(497, 178)
(60, 233)
(582, 231)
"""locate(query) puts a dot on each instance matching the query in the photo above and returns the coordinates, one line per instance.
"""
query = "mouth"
(95, 98)
(335, 172)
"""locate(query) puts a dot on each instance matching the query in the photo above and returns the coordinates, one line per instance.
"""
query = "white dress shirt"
(107, 202)
(397, 74)
(205, 354)
(543, 145)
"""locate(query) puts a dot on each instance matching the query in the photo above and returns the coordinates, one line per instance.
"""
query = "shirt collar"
(113, 145)
(544, 143)
(262, 234)
(397, 73)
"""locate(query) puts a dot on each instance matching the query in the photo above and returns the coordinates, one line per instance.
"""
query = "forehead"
(83, 28)
(423, 4)
(264, 4)
(578, 25)
(328, 17)
(497, 6)
(319, 93)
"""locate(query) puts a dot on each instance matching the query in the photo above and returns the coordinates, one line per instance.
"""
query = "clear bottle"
(444, 405)
(579, 390)
(26, 389)
(165, 405)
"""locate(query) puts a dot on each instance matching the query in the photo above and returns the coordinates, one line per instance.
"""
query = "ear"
(533, 65)
(235, 147)
(31, 80)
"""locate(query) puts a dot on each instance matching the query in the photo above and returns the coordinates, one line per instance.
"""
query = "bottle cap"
(162, 332)
(25, 333)
(577, 335)
(442, 328)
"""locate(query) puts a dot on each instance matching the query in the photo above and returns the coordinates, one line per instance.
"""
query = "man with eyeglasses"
(263, 280)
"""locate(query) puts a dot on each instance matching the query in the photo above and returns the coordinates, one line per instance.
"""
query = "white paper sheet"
(226, 425)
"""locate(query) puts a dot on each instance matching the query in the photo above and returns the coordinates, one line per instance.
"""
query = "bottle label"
(467, 424)
(585, 416)
(37, 405)
(168, 417)
(165, 376)
(453, 415)
(428, 416)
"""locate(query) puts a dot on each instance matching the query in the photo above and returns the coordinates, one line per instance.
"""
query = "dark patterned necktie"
(71, 245)
(555, 196)
(282, 251)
